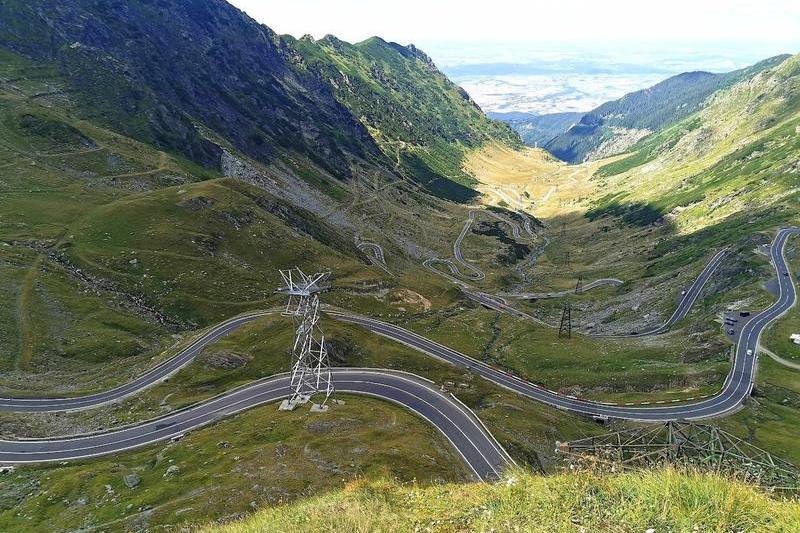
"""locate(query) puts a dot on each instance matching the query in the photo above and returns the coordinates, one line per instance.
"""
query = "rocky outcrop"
(224, 360)
(621, 139)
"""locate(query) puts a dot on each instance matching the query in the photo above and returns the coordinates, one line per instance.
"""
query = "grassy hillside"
(262, 456)
(419, 118)
(733, 161)
(108, 246)
(614, 126)
(659, 501)
(116, 237)
(56, 168)
(716, 178)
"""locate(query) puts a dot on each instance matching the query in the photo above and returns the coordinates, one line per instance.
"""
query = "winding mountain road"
(559, 294)
(688, 298)
(480, 450)
(476, 273)
(498, 303)
(735, 390)
(428, 263)
(376, 257)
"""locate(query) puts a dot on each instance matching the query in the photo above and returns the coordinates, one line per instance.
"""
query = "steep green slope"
(53, 169)
(108, 246)
(155, 70)
(182, 76)
(665, 500)
(729, 166)
(614, 126)
(418, 117)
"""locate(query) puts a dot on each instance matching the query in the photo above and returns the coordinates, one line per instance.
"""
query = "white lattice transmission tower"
(311, 373)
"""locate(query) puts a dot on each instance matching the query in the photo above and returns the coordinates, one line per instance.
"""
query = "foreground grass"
(263, 456)
(665, 500)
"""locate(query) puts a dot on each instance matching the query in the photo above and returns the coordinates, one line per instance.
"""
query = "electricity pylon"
(579, 285)
(684, 445)
(565, 328)
(311, 373)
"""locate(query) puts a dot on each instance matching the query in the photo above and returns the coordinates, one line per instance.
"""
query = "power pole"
(311, 373)
(566, 260)
(579, 285)
(700, 446)
(565, 329)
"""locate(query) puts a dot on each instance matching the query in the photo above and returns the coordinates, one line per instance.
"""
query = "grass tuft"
(664, 500)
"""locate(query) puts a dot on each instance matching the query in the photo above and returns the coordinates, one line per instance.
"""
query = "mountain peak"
(420, 54)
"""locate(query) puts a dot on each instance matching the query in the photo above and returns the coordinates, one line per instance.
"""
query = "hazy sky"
(585, 52)
(425, 21)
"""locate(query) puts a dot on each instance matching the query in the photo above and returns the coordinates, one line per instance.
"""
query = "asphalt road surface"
(498, 303)
(479, 449)
(558, 294)
(376, 257)
(428, 263)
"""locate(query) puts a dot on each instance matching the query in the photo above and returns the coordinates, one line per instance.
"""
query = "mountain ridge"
(417, 116)
(162, 72)
(615, 126)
